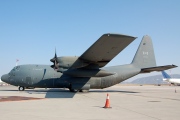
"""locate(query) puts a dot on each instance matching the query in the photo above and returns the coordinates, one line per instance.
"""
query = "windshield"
(12, 72)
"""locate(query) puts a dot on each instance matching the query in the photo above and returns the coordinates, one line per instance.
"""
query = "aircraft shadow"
(59, 93)
(54, 93)
(64, 93)
(49, 93)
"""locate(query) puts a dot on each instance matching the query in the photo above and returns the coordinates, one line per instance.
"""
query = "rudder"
(144, 57)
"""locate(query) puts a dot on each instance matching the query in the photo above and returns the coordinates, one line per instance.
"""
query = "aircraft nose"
(4, 77)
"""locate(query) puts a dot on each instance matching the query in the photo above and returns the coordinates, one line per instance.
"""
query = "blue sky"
(30, 30)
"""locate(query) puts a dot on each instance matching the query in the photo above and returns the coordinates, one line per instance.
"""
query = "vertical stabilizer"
(165, 75)
(144, 57)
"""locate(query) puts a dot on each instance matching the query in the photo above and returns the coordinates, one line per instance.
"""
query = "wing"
(158, 68)
(106, 48)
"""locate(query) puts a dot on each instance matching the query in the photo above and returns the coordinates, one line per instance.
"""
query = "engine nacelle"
(66, 62)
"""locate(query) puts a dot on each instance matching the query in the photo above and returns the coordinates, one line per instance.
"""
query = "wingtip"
(174, 65)
(117, 34)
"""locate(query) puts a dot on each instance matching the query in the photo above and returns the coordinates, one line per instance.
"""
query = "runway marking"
(16, 98)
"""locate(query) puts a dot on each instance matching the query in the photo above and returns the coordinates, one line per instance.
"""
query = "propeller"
(55, 62)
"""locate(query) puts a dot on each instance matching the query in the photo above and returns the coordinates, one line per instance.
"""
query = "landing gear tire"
(21, 88)
(72, 90)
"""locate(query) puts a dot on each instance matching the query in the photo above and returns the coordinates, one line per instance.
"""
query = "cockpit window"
(9, 74)
(16, 68)
(13, 71)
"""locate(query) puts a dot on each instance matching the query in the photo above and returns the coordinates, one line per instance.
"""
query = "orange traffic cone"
(107, 104)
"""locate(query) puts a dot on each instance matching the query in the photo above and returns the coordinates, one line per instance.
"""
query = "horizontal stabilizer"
(158, 68)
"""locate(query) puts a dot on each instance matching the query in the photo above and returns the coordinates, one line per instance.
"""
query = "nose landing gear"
(21, 88)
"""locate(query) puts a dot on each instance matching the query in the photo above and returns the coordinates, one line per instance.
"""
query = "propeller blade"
(55, 62)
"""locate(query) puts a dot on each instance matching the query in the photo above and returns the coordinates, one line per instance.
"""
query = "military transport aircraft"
(87, 71)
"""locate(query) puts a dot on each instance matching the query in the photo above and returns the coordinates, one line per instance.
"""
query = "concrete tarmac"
(127, 102)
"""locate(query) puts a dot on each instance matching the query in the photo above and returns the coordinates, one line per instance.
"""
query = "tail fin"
(165, 75)
(145, 57)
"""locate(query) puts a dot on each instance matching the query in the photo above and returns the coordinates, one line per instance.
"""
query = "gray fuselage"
(43, 76)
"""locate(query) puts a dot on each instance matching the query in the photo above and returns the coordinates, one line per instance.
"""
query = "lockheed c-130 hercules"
(87, 71)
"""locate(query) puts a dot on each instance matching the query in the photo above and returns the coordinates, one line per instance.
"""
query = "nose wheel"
(21, 88)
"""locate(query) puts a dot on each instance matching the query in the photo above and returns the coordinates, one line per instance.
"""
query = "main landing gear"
(80, 90)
